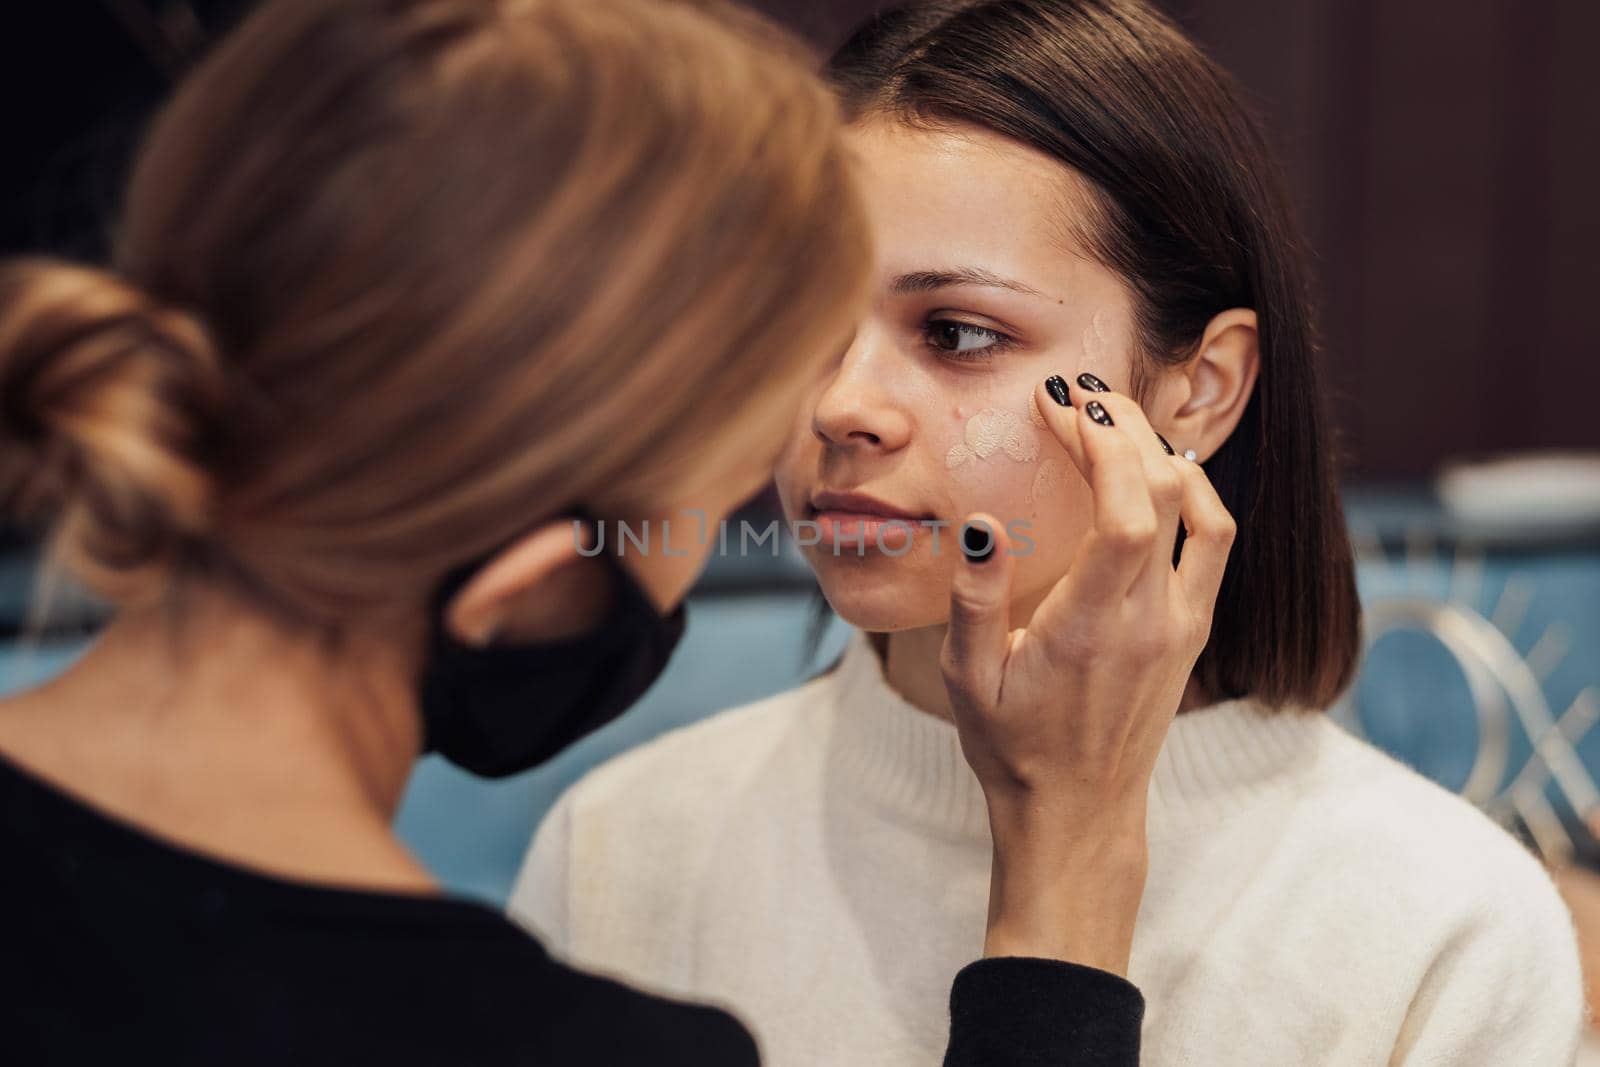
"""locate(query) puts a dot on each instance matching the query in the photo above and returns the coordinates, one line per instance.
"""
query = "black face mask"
(500, 709)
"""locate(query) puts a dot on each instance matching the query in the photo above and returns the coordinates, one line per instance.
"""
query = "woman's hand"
(1062, 721)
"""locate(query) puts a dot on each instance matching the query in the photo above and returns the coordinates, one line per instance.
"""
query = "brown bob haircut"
(1191, 213)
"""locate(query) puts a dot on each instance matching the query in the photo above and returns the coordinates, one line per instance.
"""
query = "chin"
(869, 599)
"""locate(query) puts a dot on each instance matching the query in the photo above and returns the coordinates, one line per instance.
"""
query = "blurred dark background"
(1443, 156)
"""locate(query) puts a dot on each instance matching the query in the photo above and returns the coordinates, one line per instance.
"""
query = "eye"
(965, 341)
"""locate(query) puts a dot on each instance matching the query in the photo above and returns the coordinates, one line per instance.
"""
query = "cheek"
(993, 452)
(1000, 458)
(1096, 341)
(1059, 519)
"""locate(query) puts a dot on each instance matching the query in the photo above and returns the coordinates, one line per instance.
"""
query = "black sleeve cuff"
(1019, 1012)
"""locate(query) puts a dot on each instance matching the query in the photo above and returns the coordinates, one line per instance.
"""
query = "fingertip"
(1091, 437)
(1053, 401)
(979, 538)
(1053, 391)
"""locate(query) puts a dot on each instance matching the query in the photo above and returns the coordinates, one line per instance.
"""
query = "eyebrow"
(926, 281)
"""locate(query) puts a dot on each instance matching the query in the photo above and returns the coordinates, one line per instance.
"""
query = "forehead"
(963, 194)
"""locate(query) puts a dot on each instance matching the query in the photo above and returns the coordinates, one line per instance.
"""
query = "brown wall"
(1445, 156)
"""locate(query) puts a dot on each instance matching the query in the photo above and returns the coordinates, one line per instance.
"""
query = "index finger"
(1060, 418)
(1124, 523)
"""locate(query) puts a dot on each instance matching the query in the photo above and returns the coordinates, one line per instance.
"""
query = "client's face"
(980, 294)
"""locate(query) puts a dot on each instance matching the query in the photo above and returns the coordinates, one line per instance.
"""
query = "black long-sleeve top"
(116, 946)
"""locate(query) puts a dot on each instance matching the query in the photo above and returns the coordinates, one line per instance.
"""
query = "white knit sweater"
(818, 862)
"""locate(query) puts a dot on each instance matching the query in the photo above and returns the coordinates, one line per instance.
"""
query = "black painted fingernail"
(1164, 444)
(977, 543)
(1056, 386)
(1098, 413)
(1093, 384)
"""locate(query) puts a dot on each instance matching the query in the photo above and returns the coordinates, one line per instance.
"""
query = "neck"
(236, 735)
(265, 694)
(911, 666)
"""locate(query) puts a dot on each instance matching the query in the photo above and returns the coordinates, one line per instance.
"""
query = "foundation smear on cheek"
(1051, 475)
(992, 433)
(1094, 338)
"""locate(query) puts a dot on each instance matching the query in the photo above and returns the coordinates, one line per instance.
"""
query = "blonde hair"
(396, 280)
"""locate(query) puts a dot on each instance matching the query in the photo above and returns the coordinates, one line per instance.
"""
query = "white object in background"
(1539, 489)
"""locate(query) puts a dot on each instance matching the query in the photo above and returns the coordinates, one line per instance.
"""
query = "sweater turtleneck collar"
(1216, 759)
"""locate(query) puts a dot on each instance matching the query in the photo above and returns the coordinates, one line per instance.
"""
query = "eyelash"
(999, 342)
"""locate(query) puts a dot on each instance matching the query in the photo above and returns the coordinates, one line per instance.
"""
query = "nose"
(858, 407)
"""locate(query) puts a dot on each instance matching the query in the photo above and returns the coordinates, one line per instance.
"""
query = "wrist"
(1087, 922)
(1067, 892)
(1088, 834)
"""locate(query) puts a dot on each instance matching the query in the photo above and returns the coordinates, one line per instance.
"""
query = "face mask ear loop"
(475, 702)
(458, 579)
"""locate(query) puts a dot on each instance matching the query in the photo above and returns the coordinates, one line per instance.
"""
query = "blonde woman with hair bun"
(405, 293)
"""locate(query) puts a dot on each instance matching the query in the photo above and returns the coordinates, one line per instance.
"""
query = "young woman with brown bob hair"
(400, 287)
(1079, 230)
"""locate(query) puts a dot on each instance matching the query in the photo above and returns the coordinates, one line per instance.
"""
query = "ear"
(1218, 381)
(541, 587)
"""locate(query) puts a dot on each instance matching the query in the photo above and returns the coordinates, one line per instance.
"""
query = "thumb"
(980, 612)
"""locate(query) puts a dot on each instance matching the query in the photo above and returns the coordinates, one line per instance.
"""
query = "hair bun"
(108, 402)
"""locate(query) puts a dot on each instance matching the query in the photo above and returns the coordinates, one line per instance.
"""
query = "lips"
(858, 519)
(861, 504)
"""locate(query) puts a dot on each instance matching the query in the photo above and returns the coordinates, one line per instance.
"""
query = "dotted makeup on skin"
(957, 456)
(993, 432)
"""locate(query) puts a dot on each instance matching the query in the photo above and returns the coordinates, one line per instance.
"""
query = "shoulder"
(1435, 856)
(579, 1016)
(599, 1020)
(1375, 801)
(1501, 979)
(1436, 903)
